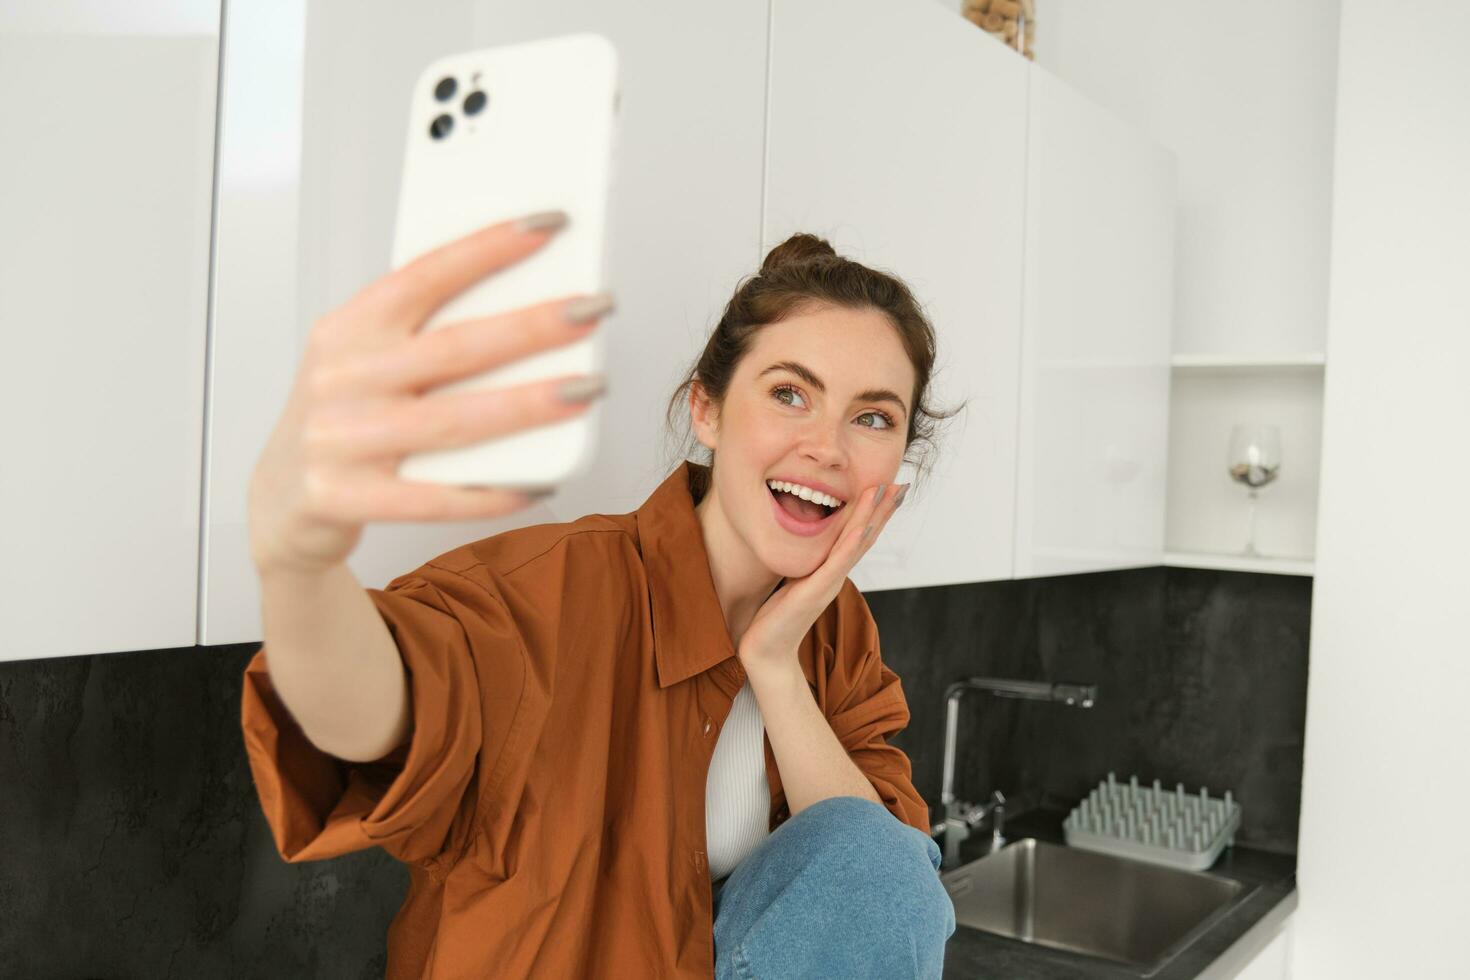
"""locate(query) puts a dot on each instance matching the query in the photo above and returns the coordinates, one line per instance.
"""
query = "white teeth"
(805, 493)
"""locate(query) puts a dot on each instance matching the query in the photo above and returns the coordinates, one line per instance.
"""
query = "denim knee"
(827, 820)
(900, 860)
(843, 888)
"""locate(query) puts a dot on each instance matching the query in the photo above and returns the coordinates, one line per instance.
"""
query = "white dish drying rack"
(1151, 823)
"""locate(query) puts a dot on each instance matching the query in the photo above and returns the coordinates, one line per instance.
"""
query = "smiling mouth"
(802, 510)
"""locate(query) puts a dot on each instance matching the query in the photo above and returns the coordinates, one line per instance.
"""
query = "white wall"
(1384, 860)
(1243, 93)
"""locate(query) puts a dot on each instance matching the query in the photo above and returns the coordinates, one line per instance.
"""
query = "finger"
(399, 426)
(857, 530)
(408, 296)
(460, 350)
(876, 515)
(363, 497)
(882, 510)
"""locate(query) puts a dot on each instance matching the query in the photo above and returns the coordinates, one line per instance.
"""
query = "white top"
(737, 795)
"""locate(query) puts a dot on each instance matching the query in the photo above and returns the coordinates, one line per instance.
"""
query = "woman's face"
(831, 424)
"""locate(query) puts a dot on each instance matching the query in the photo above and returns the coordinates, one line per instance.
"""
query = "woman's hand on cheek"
(774, 636)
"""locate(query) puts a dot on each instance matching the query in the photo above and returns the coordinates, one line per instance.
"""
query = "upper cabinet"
(1034, 228)
(105, 198)
(1092, 467)
(897, 131)
(1038, 231)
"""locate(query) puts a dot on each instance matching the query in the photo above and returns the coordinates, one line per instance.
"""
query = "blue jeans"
(844, 889)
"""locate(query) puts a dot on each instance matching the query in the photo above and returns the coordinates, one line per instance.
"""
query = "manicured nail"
(878, 497)
(542, 221)
(585, 309)
(538, 494)
(901, 494)
(582, 389)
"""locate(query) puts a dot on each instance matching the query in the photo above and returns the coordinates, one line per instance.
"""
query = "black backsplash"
(134, 845)
(1201, 677)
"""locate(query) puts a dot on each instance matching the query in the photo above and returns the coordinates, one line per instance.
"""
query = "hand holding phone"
(358, 404)
(492, 134)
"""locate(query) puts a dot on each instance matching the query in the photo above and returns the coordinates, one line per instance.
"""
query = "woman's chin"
(796, 565)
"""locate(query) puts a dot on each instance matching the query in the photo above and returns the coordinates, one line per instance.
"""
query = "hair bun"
(800, 247)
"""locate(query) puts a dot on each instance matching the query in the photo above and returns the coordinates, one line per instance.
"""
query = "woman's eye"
(785, 388)
(888, 419)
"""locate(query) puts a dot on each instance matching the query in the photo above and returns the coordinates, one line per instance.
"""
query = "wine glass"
(1255, 458)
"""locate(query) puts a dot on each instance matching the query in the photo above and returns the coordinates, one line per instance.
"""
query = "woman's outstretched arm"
(334, 663)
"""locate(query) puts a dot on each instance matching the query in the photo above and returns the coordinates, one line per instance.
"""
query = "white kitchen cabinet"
(897, 131)
(105, 194)
(1272, 962)
(1038, 231)
(1253, 249)
(329, 111)
(1092, 450)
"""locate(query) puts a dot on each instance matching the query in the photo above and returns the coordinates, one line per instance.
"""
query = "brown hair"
(802, 272)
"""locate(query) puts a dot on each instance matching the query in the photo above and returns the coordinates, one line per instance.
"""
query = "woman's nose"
(825, 447)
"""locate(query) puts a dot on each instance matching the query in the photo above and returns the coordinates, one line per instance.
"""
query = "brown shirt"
(568, 682)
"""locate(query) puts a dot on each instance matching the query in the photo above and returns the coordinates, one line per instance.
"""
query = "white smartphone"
(495, 134)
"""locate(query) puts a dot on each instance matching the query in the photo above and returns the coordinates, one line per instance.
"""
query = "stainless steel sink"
(1122, 910)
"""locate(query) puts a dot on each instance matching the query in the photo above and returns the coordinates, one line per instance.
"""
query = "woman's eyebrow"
(806, 374)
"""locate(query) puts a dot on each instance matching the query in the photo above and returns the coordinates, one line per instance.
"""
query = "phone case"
(495, 134)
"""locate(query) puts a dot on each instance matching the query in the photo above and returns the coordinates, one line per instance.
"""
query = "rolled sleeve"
(418, 803)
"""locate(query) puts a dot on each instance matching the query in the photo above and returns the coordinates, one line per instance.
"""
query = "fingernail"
(878, 497)
(584, 309)
(582, 389)
(542, 221)
(901, 494)
(538, 494)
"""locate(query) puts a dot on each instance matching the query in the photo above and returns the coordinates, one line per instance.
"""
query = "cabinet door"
(1273, 962)
(311, 136)
(1094, 402)
(683, 229)
(105, 190)
(897, 131)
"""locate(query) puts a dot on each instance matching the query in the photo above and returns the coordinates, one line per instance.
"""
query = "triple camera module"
(445, 90)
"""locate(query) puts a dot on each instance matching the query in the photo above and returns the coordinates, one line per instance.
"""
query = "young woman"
(646, 744)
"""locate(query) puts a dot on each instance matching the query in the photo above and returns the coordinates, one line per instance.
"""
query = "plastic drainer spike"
(1151, 823)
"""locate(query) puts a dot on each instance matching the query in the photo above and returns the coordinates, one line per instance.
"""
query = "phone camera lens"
(473, 103)
(441, 126)
(446, 88)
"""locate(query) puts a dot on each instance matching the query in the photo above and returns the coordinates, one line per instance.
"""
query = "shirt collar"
(689, 631)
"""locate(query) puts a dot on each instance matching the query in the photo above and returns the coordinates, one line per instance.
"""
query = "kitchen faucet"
(961, 817)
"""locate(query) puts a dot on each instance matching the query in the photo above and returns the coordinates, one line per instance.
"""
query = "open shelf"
(1217, 362)
(1207, 513)
(1239, 563)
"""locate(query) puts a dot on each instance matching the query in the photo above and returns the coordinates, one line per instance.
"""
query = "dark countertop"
(975, 955)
